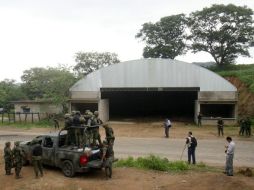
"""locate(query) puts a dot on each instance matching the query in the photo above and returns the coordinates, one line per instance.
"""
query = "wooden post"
(14, 119)
(2, 117)
(32, 117)
(25, 117)
(39, 116)
(19, 118)
(9, 117)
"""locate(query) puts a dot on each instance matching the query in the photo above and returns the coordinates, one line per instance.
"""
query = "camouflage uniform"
(107, 158)
(37, 158)
(109, 134)
(96, 133)
(8, 158)
(242, 126)
(248, 126)
(18, 157)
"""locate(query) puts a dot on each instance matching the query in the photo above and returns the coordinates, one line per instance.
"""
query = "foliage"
(40, 124)
(244, 72)
(9, 91)
(88, 62)
(224, 31)
(165, 38)
(48, 83)
(153, 163)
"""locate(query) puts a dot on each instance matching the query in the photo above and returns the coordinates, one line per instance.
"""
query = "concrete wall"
(217, 96)
(104, 110)
(85, 95)
(213, 121)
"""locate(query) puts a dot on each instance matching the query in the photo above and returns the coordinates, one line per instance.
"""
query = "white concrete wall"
(104, 109)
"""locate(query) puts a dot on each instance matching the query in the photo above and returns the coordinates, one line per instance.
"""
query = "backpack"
(194, 142)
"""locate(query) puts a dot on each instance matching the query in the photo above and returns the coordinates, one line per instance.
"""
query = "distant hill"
(242, 77)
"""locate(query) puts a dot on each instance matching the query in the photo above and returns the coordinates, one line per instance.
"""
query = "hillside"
(242, 77)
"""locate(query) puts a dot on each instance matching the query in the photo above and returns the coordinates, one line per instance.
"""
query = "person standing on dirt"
(199, 119)
(37, 158)
(220, 126)
(242, 126)
(191, 143)
(167, 125)
(248, 127)
(230, 149)
(18, 157)
(8, 158)
(107, 158)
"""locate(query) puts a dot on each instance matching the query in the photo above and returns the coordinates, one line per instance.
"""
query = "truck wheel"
(68, 169)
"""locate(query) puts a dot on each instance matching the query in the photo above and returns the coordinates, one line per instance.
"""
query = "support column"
(103, 108)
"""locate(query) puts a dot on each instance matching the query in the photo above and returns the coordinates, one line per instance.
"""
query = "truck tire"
(67, 168)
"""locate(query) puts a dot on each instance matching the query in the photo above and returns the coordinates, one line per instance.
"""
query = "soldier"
(8, 158)
(220, 126)
(242, 126)
(107, 158)
(248, 126)
(18, 157)
(199, 119)
(68, 120)
(37, 158)
(96, 122)
(110, 138)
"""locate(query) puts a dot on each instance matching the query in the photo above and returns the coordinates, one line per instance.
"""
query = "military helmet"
(67, 115)
(16, 143)
(87, 111)
(96, 113)
(7, 143)
(104, 142)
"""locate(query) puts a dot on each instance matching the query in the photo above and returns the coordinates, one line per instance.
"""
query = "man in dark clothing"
(248, 127)
(37, 158)
(191, 142)
(199, 119)
(220, 126)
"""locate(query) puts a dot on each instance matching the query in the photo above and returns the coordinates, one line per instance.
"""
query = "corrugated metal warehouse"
(156, 87)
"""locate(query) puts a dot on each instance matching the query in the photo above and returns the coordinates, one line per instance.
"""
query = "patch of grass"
(244, 72)
(40, 124)
(153, 162)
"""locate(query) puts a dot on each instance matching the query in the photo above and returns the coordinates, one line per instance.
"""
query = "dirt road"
(209, 151)
(139, 140)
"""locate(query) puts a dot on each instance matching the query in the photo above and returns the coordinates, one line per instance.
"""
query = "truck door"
(48, 151)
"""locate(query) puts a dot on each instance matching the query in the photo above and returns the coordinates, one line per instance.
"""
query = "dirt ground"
(129, 178)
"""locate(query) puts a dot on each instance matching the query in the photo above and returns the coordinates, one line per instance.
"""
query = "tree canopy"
(224, 31)
(9, 91)
(88, 62)
(165, 38)
(48, 83)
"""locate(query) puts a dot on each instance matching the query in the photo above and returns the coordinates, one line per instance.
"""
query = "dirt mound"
(245, 97)
(246, 172)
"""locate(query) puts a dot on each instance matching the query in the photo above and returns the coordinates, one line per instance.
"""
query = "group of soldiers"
(13, 158)
(83, 131)
(245, 126)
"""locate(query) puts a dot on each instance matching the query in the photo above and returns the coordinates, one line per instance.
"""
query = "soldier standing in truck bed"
(96, 121)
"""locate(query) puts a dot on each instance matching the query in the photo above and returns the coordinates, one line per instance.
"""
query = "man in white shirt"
(167, 125)
(230, 149)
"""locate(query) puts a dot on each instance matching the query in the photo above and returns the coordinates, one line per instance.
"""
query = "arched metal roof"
(150, 73)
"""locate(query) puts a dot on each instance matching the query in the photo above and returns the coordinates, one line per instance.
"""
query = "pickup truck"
(69, 157)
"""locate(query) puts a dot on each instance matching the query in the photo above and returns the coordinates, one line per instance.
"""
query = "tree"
(88, 62)
(9, 91)
(166, 38)
(49, 84)
(224, 31)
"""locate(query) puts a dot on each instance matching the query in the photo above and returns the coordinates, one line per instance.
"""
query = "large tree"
(224, 31)
(9, 91)
(165, 38)
(48, 83)
(88, 62)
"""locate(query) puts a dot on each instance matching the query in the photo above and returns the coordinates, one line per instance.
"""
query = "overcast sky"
(40, 33)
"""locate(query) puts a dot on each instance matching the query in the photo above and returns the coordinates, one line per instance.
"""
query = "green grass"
(40, 124)
(153, 162)
(244, 72)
